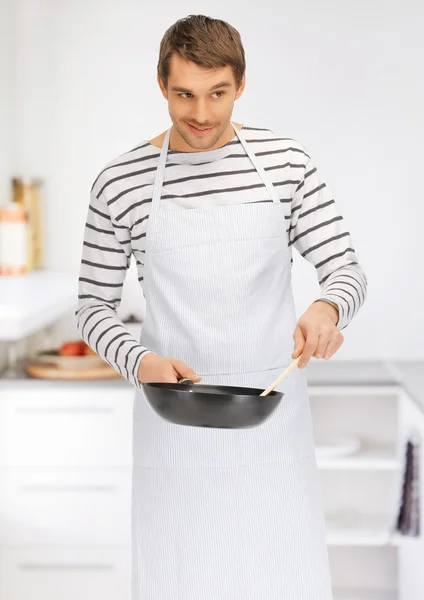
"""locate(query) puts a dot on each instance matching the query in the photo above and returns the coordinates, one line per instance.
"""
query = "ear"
(162, 87)
(241, 87)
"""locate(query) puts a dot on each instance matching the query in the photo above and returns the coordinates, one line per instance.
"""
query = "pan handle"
(185, 381)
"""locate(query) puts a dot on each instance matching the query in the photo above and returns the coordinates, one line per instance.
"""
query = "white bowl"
(338, 445)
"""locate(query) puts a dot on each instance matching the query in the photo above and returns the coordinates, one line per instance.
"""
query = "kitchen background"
(78, 83)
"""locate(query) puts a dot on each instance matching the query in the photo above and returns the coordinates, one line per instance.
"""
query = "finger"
(184, 371)
(169, 378)
(332, 347)
(299, 342)
(309, 349)
(323, 340)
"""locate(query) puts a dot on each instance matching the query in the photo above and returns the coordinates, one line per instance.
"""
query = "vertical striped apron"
(225, 514)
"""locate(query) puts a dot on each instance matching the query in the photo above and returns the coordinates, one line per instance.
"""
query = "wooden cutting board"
(51, 371)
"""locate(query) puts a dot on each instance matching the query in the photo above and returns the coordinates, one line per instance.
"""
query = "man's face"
(200, 98)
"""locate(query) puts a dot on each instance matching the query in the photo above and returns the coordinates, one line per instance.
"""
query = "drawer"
(65, 506)
(66, 427)
(64, 573)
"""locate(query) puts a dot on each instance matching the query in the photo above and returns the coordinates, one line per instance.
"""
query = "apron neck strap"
(262, 173)
(160, 172)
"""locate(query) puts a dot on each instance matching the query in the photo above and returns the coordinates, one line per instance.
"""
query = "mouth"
(198, 131)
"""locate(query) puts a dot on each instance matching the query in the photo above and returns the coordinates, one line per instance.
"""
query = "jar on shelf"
(26, 193)
(13, 240)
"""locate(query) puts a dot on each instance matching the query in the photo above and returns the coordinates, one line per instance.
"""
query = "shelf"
(353, 388)
(369, 458)
(373, 374)
(364, 595)
(30, 302)
(349, 529)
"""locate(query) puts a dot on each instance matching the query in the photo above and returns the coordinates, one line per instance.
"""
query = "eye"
(187, 95)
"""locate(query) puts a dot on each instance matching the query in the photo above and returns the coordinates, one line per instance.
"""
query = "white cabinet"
(64, 573)
(65, 425)
(65, 490)
(72, 506)
(360, 490)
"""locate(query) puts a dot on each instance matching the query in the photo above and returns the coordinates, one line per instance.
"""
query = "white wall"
(6, 97)
(6, 111)
(343, 78)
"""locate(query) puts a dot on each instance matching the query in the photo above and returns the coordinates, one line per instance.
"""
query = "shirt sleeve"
(318, 232)
(106, 257)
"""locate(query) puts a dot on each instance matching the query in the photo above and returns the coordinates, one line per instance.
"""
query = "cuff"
(343, 321)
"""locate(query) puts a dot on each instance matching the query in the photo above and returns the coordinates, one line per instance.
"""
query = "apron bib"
(225, 514)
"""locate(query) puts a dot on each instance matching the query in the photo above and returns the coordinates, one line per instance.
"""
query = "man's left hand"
(316, 333)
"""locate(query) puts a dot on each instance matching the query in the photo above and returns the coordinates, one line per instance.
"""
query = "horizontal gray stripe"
(95, 210)
(100, 283)
(333, 256)
(230, 173)
(139, 221)
(105, 300)
(103, 248)
(269, 152)
(314, 209)
(138, 237)
(103, 266)
(130, 208)
(94, 228)
(125, 176)
(126, 163)
(314, 191)
(324, 279)
(324, 242)
(140, 147)
(311, 172)
(339, 281)
(85, 307)
(330, 290)
(315, 228)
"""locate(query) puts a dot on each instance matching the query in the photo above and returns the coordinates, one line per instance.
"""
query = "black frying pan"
(222, 406)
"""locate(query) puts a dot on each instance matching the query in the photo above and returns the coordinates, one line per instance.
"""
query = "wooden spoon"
(281, 377)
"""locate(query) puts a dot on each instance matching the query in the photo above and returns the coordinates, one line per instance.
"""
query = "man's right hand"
(154, 368)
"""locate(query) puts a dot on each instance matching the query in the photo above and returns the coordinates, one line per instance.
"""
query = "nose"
(200, 113)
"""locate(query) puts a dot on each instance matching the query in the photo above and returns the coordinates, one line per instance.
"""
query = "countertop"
(407, 374)
(30, 302)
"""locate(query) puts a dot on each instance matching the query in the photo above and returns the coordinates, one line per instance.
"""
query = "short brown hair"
(210, 43)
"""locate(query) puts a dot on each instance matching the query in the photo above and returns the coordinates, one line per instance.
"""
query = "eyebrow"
(221, 84)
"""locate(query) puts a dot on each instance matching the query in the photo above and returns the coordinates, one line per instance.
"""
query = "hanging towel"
(408, 520)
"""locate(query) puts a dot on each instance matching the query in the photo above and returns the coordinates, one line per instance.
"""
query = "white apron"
(225, 514)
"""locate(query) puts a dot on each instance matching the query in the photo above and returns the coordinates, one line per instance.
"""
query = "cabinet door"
(411, 550)
(63, 573)
(65, 506)
(66, 426)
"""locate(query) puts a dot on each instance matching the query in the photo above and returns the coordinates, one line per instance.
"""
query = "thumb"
(184, 371)
(299, 342)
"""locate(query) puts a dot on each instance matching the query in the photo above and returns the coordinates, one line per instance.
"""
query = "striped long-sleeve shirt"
(118, 214)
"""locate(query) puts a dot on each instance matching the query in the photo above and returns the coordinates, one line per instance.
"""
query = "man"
(211, 209)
